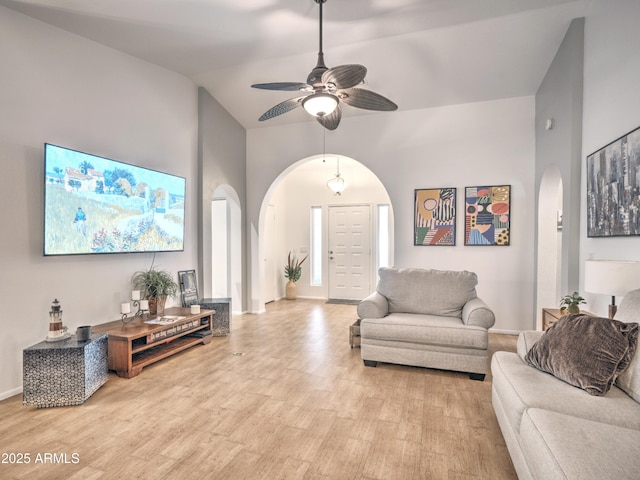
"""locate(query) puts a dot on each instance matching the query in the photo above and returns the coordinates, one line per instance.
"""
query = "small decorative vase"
(291, 290)
(156, 305)
(571, 309)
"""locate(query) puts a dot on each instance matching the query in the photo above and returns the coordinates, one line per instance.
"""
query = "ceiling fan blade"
(344, 76)
(285, 86)
(361, 98)
(331, 121)
(281, 108)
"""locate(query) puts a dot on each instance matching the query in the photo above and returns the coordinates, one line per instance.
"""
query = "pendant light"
(336, 184)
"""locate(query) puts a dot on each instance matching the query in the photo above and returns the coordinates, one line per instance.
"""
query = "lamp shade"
(611, 277)
(320, 104)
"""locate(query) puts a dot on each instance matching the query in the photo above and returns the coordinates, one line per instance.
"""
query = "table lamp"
(611, 277)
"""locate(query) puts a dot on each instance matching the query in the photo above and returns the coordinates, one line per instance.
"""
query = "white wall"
(611, 109)
(60, 88)
(488, 143)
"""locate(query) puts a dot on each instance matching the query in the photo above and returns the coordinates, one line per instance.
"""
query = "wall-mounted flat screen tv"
(97, 205)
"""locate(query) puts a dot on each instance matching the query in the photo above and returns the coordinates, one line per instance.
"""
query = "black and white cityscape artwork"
(613, 188)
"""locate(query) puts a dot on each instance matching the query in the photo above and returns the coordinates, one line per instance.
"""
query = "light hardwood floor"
(297, 404)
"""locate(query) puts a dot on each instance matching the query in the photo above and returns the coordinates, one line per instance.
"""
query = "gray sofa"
(426, 318)
(554, 430)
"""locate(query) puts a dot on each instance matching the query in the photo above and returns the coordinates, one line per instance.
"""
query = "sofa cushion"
(629, 311)
(432, 292)
(586, 352)
(526, 340)
(521, 386)
(424, 329)
(558, 446)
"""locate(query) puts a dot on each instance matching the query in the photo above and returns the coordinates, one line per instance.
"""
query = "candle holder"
(141, 307)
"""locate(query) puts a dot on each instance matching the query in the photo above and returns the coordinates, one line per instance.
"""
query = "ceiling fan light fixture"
(327, 88)
(320, 104)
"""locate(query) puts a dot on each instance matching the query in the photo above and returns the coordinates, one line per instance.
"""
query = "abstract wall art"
(487, 215)
(613, 188)
(435, 216)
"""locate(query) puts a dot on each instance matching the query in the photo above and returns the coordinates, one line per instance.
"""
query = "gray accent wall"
(559, 99)
(221, 167)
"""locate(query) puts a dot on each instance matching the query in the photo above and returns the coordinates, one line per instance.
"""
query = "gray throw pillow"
(586, 352)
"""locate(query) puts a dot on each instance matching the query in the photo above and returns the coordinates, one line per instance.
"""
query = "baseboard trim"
(10, 393)
(504, 332)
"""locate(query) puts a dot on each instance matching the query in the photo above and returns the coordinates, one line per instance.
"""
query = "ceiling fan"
(325, 89)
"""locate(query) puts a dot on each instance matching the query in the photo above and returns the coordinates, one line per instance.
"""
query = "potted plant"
(155, 285)
(293, 271)
(570, 303)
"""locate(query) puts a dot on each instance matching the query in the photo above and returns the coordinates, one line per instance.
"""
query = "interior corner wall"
(222, 145)
(484, 143)
(611, 109)
(559, 99)
(60, 88)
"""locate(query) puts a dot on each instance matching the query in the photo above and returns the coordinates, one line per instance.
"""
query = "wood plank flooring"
(282, 397)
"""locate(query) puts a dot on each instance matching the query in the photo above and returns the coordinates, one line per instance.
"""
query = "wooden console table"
(552, 315)
(134, 345)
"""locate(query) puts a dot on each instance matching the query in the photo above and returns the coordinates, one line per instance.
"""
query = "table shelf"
(137, 344)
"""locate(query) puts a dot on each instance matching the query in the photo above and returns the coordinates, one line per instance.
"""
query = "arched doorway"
(285, 220)
(549, 266)
(226, 246)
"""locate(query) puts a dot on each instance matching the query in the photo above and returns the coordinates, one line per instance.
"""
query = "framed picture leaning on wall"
(487, 215)
(188, 287)
(434, 216)
(613, 188)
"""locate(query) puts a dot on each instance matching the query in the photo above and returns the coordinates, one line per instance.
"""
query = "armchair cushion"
(431, 292)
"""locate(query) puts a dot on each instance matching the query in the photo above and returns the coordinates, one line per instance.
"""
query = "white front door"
(349, 252)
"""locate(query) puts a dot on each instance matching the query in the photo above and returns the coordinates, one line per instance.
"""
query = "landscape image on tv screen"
(98, 205)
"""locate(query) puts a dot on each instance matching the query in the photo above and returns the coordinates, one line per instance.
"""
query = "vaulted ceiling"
(419, 53)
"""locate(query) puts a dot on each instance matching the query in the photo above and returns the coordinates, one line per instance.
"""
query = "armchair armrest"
(374, 306)
(476, 312)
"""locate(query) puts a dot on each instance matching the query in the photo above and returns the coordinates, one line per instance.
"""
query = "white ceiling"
(419, 53)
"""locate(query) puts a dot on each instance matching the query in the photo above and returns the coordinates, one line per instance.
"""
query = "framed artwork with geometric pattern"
(487, 211)
(434, 216)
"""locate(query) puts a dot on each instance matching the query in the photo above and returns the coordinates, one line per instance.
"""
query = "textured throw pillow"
(586, 352)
